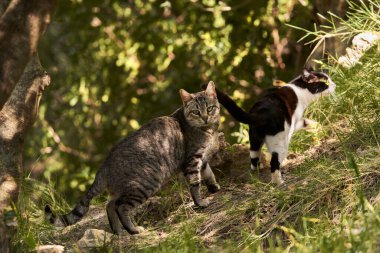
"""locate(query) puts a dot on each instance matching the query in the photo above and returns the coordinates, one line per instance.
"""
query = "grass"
(362, 16)
(330, 203)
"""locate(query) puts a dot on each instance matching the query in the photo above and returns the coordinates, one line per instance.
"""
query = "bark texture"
(22, 81)
(16, 117)
(21, 27)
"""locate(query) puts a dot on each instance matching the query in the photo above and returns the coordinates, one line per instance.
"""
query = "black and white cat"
(277, 114)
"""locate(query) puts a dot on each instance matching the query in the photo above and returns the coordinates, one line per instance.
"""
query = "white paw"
(276, 178)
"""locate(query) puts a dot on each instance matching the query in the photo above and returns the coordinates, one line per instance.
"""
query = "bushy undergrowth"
(330, 203)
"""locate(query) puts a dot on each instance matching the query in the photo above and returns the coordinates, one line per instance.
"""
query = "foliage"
(117, 64)
(243, 134)
(361, 17)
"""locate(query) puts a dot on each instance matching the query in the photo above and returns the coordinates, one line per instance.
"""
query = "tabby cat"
(276, 115)
(144, 161)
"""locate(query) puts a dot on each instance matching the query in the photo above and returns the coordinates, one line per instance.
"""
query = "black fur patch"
(255, 161)
(315, 87)
(274, 163)
(255, 140)
(272, 109)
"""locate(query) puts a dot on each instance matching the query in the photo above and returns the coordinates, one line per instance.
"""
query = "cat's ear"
(210, 90)
(308, 76)
(185, 96)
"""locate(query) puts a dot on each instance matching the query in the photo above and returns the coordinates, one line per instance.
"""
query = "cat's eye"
(196, 112)
(211, 108)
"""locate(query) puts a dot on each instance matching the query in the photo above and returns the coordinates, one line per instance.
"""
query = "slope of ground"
(330, 202)
(247, 214)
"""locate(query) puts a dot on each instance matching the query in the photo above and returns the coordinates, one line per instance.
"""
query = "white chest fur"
(304, 98)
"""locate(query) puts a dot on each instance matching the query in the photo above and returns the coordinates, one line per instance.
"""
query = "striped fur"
(143, 162)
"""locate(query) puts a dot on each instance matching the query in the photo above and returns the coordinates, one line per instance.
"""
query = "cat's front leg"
(209, 178)
(193, 177)
(256, 142)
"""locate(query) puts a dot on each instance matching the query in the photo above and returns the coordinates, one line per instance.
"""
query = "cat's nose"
(205, 119)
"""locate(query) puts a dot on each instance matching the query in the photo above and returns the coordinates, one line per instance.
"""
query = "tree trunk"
(22, 80)
(21, 26)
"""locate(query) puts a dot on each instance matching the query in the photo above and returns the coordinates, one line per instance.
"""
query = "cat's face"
(201, 109)
(317, 83)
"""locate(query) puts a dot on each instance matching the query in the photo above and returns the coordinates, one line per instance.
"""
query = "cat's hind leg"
(123, 206)
(275, 169)
(256, 142)
(278, 147)
(209, 178)
(113, 218)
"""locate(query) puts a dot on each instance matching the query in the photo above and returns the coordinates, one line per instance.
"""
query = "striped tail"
(235, 111)
(80, 209)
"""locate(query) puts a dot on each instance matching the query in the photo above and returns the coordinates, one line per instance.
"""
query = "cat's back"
(156, 150)
(273, 108)
(273, 97)
(161, 127)
(162, 133)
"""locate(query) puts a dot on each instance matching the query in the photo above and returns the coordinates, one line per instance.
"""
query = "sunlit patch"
(278, 83)
(333, 97)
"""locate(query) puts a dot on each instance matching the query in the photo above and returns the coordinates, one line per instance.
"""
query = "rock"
(364, 41)
(360, 43)
(232, 162)
(93, 238)
(50, 249)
